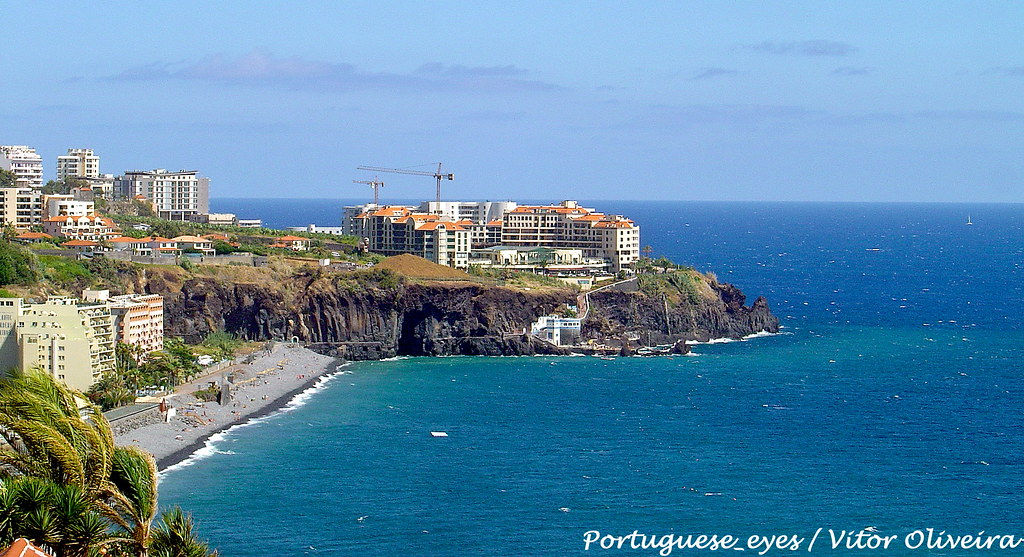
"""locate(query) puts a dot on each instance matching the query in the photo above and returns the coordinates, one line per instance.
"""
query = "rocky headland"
(373, 314)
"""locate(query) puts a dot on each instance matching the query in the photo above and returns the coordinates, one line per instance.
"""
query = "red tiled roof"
(80, 243)
(24, 548)
(390, 212)
(33, 236)
(291, 239)
(434, 225)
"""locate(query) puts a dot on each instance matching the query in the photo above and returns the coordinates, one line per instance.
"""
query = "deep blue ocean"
(894, 399)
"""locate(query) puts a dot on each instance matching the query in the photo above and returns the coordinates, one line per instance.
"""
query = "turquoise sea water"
(893, 400)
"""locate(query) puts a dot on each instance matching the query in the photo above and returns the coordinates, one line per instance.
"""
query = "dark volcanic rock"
(365, 320)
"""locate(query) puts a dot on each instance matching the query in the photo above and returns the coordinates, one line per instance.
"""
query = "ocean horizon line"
(587, 200)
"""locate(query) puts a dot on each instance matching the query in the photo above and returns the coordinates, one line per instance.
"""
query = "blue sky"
(854, 101)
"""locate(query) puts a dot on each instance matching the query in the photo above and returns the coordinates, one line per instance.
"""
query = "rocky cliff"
(682, 305)
(378, 314)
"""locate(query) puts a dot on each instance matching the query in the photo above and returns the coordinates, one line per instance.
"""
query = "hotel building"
(607, 242)
(138, 318)
(78, 163)
(25, 163)
(87, 227)
(398, 230)
(20, 207)
(613, 238)
(175, 195)
(71, 340)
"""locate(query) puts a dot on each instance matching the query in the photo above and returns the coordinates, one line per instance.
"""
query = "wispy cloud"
(710, 73)
(971, 115)
(818, 47)
(1011, 71)
(458, 70)
(263, 69)
(853, 70)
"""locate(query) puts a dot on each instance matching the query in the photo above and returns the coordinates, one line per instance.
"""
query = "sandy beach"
(263, 386)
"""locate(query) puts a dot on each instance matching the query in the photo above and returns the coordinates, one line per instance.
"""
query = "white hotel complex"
(26, 165)
(174, 195)
(78, 163)
(180, 195)
(564, 237)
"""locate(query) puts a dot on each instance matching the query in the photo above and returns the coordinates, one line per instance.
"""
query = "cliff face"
(689, 305)
(378, 316)
(369, 322)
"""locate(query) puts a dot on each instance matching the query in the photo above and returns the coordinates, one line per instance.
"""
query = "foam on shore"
(295, 400)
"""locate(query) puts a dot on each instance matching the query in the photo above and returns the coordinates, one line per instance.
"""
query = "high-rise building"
(613, 238)
(20, 207)
(66, 205)
(78, 163)
(397, 230)
(138, 318)
(174, 195)
(25, 163)
(71, 340)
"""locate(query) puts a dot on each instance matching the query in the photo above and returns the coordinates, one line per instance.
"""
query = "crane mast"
(376, 185)
(439, 175)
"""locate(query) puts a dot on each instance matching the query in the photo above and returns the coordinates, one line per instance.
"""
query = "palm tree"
(58, 517)
(49, 440)
(133, 499)
(174, 536)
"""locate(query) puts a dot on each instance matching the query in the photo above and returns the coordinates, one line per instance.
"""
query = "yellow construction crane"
(376, 185)
(437, 175)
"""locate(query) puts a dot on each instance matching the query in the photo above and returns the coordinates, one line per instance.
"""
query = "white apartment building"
(174, 195)
(138, 318)
(608, 241)
(613, 238)
(71, 340)
(475, 212)
(20, 207)
(479, 212)
(397, 230)
(81, 163)
(93, 228)
(66, 205)
(25, 163)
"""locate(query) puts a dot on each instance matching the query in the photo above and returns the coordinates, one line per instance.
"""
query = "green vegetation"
(68, 488)
(7, 179)
(674, 285)
(136, 372)
(520, 279)
(220, 345)
(17, 265)
(385, 279)
(171, 229)
(63, 186)
(63, 270)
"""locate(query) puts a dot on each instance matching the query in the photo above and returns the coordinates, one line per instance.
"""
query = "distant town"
(82, 215)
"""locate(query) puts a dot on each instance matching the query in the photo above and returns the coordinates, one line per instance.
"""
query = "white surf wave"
(723, 340)
(210, 447)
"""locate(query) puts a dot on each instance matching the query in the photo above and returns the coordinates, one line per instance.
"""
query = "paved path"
(583, 299)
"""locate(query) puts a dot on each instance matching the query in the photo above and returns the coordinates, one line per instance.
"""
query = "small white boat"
(969, 223)
(439, 434)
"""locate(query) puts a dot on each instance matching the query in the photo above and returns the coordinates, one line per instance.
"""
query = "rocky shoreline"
(261, 387)
(373, 321)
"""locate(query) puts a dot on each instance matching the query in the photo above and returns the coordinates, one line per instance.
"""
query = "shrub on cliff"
(17, 265)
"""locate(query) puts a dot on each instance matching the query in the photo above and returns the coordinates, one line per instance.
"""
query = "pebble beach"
(266, 384)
